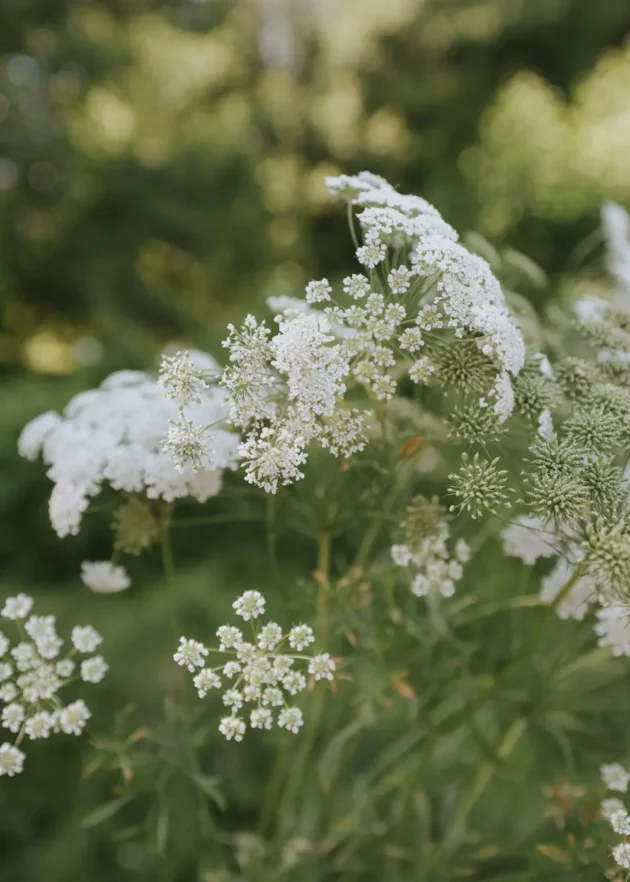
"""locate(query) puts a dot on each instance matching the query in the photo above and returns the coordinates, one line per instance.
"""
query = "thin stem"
(212, 519)
(168, 570)
(271, 532)
(483, 777)
(353, 231)
(295, 780)
(463, 715)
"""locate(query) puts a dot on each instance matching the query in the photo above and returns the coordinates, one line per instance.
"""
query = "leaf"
(525, 267)
(559, 855)
(331, 757)
(161, 833)
(103, 812)
(208, 785)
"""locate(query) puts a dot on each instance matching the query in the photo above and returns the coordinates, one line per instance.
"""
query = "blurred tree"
(161, 164)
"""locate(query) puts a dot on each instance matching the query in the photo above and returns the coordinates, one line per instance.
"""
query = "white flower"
(420, 585)
(233, 698)
(411, 340)
(11, 760)
(282, 664)
(616, 223)
(270, 635)
(447, 588)
(582, 594)
(613, 628)
(94, 669)
(608, 807)
(272, 696)
(272, 458)
(72, 719)
(356, 286)
(294, 682)
(6, 670)
(85, 638)
(229, 636)
(261, 718)
(190, 653)
(206, 680)
(38, 627)
(17, 607)
(113, 435)
(528, 538)
(181, 379)
(49, 646)
(621, 854)
(39, 725)
(290, 718)
(300, 637)
(66, 505)
(187, 444)
(231, 669)
(35, 433)
(25, 656)
(615, 776)
(4, 644)
(104, 577)
(401, 555)
(318, 292)
(462, 551)
(372, 254)
(12, 717)
(398, 280)
(545, 425)
(232, 727)
(422, 371)
(322, 667)
(250, 605)
(8, 692)
(620, 822)
(65, 667)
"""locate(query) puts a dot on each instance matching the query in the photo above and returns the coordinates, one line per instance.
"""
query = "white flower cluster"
(617, 777)
(433, 568)
(104, 577)
(260, 672)
(616, 224)
(467, 298)
(113, 435)
(528, 538)
(290, 388)
(32, 674)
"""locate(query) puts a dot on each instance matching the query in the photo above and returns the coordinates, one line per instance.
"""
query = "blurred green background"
(162, 171)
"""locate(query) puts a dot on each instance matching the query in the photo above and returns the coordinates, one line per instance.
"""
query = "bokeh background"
(162, 172)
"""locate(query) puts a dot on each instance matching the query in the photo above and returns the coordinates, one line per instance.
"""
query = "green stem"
(168, 570)
(271, 533)
(463, 715)
(213, 519)
(483, 777)
(296, 779)
(353, 231)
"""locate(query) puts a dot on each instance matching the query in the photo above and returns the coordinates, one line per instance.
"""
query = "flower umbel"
(262, 672)
(30, 693)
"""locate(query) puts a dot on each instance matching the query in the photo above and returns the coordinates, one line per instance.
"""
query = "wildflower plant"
(449, 470)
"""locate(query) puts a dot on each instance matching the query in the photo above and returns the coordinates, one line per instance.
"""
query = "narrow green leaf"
(103, 812)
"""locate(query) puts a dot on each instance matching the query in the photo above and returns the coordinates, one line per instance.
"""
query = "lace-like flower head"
(262, 673)
(33, 671)
(113, 435)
